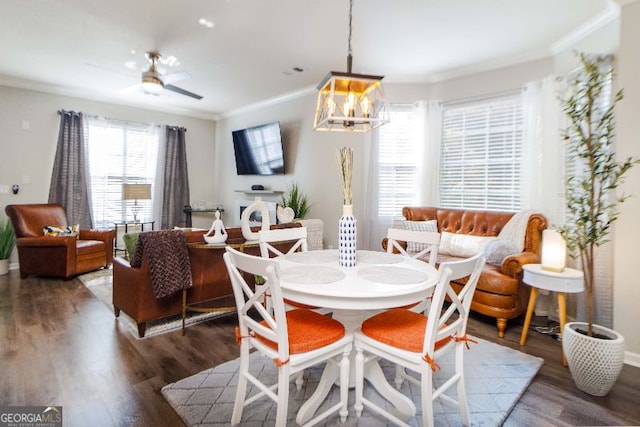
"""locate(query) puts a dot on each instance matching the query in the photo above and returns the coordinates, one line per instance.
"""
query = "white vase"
(347, 233)
(245, 219)
(595, 363)
(4, 266)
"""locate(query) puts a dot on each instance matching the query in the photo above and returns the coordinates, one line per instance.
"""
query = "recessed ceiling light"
(206, 23)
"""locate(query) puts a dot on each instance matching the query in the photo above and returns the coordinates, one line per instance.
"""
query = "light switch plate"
(5, 189)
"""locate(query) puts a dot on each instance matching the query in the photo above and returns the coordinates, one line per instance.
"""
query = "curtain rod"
(93, 116)
(129, 122)
(482, 97)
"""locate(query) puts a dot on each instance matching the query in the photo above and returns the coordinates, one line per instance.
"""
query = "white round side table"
(568, 280)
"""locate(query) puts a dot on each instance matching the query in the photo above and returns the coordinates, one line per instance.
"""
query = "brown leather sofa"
(133, 292)
(500, 292)
(57, 256)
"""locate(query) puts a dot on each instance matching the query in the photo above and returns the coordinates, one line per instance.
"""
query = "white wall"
(626, 291)
(29, 124)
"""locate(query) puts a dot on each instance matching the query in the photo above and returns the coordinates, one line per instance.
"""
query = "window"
(120, 152)
(397, 162)
(481, 154)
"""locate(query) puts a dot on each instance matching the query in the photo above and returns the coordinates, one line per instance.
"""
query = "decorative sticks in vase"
(345, 163)
(347, 224)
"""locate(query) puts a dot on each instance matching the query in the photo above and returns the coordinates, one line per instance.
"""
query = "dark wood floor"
(59, 345)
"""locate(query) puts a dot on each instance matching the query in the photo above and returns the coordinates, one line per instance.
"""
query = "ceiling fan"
(154, 82)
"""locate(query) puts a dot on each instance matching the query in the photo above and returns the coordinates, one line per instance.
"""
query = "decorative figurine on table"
(285, 215)
(217, 233)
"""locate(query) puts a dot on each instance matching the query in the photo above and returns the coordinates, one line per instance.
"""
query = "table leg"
(373, 373)
(330, 375)
(527, 319)
(562, 313)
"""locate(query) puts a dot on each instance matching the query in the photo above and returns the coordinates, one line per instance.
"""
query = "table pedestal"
(352, 319)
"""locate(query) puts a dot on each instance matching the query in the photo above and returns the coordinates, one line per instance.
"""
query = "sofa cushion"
(495, 252)
(55, 230)
(429, 226)
(493, 281)
(85, 247)
(463, 245)
(130, 243)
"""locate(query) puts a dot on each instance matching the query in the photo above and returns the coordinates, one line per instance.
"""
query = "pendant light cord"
(349, 52)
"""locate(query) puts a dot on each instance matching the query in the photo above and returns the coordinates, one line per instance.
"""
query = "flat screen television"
(258, 150)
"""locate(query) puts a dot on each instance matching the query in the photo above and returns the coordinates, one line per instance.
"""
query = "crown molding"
(611, 13)
(269, 102)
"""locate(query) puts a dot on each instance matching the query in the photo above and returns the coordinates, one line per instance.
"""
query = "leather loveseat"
(133, 292)
(500, 292)
(57, 256)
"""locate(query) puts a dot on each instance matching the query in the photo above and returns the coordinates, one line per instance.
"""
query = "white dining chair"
(416, 342)
(428, 241)
(294, 339)
(267, 238)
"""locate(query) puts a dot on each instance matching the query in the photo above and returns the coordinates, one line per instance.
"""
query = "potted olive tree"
(595, 354)
(7, 242)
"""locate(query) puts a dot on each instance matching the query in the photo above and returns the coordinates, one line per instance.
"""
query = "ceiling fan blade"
(175, 77)
(126, 73)
(131, 88)
(176, 89)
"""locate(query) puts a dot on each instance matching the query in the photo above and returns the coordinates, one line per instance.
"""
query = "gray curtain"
(175, 194)
(70, 176)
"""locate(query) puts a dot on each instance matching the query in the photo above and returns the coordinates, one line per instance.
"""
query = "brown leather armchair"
(57, 256)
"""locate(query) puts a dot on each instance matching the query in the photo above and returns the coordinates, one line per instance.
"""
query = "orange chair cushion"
(399, 328)
(308, 331)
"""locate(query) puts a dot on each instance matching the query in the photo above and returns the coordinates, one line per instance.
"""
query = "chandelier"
(350, 102)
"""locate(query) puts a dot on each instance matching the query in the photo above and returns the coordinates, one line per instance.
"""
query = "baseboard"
(14, 266)
(632, 359)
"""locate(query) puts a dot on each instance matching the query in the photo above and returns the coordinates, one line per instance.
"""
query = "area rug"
(100, 283)
(496, 377)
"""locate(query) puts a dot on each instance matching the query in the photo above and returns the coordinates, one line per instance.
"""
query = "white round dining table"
(378, 281)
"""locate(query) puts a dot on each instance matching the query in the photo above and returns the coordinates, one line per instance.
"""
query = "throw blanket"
(515, 229)
(168, 256)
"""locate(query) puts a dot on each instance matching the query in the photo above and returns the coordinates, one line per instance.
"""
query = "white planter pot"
(595, 363)
(4, 266)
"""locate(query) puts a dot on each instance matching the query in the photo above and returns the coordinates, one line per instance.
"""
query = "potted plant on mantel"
(297, 201)
(7, 242)
(595, 354)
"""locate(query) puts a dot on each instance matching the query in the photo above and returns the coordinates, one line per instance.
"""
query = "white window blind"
(397, 162)
(120, 153)
(481, 154)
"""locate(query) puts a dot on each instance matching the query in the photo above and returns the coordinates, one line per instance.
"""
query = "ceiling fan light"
(151, 84)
